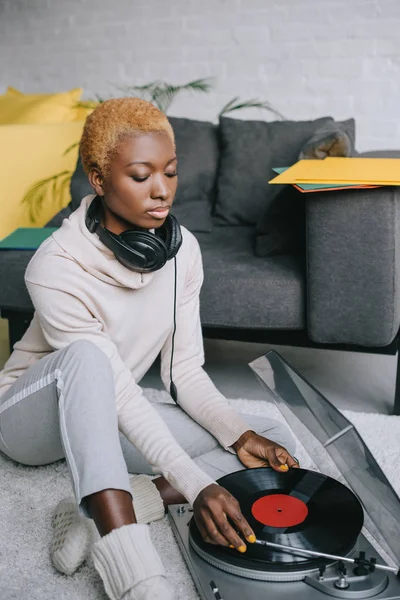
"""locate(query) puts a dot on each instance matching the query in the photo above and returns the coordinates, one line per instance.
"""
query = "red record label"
(279, 510)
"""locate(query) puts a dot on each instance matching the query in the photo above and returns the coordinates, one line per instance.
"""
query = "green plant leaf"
(54, 188)
(200, 85)
(235, 104)
(64, 186)
(71, 147)
(43, 189)
(88, 104)
(162, 94)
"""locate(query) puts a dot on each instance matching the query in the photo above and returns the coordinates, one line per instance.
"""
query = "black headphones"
(137, 249)
(141, 251)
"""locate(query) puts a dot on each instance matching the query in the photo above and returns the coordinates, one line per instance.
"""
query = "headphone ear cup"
(150, 253)
(92, 218)
(174, 235)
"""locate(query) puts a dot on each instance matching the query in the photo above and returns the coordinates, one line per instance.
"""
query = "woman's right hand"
(214, 510)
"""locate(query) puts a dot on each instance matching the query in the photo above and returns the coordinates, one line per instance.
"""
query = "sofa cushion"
(282, 228)
(241, 290)
(18, 108)
(249, 151)
(45, 145)
(197, 151)
(57, 220)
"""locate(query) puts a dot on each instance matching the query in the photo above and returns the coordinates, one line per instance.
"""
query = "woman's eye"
(171, 174)
(136, 178)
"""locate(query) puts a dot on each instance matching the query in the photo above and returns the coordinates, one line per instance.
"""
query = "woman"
(105, 307)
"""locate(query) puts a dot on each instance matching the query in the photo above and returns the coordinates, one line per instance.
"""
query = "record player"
(316, 534)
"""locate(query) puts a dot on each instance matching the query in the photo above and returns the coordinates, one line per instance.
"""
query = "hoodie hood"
(92, 255)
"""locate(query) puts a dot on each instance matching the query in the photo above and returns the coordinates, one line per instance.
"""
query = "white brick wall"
(307, 57)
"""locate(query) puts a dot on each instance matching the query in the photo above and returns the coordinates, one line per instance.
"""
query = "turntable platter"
(300, 508)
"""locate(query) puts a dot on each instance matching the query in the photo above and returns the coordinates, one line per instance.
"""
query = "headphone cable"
(172, 388)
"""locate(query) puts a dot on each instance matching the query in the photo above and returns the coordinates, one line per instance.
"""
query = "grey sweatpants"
(63, 406)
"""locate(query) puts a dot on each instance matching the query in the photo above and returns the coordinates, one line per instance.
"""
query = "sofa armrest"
(353, 266)
(13, 292)
(13, 263)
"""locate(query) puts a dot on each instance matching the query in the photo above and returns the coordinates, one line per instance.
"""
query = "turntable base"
(208, 578)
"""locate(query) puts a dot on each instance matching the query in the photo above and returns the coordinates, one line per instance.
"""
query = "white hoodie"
(80, 291)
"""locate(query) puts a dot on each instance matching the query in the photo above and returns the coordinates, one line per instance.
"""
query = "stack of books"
(334, 173)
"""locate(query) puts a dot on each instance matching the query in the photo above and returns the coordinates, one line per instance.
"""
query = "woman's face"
(141, 185)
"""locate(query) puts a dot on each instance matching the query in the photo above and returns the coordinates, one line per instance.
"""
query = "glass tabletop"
(328, 436)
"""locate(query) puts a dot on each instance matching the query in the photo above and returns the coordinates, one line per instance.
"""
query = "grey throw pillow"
(249, 151)
(281, 229)
(197, 152)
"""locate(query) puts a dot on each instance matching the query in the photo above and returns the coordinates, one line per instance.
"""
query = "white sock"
(73, 533)
(72, 537)
(129, 565)
(147, 502)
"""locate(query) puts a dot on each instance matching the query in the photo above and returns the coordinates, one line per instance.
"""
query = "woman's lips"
(159, 213)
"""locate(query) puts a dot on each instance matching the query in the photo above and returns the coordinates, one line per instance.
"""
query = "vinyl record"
(298, 508)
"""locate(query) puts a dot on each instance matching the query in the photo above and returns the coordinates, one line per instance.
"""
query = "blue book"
(26, 238)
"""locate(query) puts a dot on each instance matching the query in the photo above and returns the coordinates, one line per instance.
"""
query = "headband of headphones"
(137, 249)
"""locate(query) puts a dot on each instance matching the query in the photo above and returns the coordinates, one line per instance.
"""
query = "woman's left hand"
(255, 451)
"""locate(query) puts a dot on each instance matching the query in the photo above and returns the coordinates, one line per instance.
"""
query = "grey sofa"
(332, 283)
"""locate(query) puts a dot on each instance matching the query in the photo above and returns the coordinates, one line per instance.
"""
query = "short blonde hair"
(114, 120)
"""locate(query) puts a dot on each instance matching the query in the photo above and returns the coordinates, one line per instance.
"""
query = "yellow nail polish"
(284, 468)
(252, 539)
(231, 546)
(242, 548)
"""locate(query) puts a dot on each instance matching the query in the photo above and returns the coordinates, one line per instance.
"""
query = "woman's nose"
(159, 188)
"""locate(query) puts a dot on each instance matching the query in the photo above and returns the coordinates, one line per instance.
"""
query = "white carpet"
(28, 496)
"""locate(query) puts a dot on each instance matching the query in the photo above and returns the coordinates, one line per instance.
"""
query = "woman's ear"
(96, 181)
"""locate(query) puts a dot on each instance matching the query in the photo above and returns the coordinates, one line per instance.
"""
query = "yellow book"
(343, 171)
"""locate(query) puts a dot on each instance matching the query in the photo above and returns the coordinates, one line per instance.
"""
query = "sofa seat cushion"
(242, 290)
(239, 290)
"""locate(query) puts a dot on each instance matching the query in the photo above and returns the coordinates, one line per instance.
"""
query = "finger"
(286, 459)
(229, 533)
(241, 524)
(278, 462)
(204, 534)
(292, 463)
(213, 532)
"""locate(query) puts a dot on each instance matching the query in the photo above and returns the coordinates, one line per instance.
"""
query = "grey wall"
(307, 57)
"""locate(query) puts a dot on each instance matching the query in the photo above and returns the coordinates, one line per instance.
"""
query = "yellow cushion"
(19, 108)
(29, 153)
